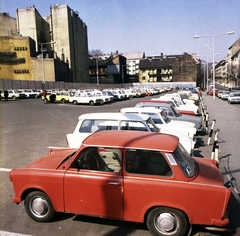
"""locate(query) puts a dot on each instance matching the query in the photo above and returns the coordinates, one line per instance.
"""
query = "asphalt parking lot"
(29, 127)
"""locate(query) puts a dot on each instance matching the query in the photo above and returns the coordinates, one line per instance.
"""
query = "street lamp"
(213, 39)
(43, 72)
(97, 72)
(123, 75)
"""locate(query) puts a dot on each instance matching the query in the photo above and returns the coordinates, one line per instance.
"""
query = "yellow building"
(15, 57)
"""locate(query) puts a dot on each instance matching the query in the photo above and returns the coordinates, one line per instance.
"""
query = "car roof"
(235, 93)
(113, 116)
(154, 104)
(141, 109)
(133, 139)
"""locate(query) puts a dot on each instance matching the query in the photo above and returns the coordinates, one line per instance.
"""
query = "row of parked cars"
(230, 96)
(24, 93)
(95, 97)
(132, 165)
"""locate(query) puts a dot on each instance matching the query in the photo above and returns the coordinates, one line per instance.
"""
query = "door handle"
(114, 183)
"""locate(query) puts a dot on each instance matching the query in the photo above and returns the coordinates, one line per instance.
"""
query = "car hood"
(209, 174)
(52, 161)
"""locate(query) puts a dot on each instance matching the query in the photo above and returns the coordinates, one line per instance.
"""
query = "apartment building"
(132, 67)
(169, 68)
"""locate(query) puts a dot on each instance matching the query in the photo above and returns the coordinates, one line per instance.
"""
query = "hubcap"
(39, 207)
(166, 222)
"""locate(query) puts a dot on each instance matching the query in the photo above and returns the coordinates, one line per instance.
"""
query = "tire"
(91, 103)
(39, 206)
(162, 221)
(75, 102)
(13, 97)
(102, 102)
(63, 101)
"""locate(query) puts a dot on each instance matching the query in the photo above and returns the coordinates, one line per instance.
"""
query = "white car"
(29, 93)
(179, 104)
(163, 122)
(93, 122)
(234, 97)
(15, 94)
(105, 97)
(84, 98)
(179, 96)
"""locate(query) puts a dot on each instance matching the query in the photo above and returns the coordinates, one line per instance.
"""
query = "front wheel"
(39, 206)
(91, 103)
(74, 102)
(162, 221)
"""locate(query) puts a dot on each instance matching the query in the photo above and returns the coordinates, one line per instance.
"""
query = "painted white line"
(6, 233)
(5, 170)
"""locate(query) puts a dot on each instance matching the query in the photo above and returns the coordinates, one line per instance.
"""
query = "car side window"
(99, 159)
(133, 125)
(147, 162)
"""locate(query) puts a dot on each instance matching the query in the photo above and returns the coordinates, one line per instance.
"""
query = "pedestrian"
(44, 94)
(6, 95)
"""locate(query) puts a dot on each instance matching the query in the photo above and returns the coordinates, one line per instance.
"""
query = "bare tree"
(95, 53)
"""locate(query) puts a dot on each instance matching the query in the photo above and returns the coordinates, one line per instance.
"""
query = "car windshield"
(165, 118)
(152, 125)
(185, 161)
(175, 111)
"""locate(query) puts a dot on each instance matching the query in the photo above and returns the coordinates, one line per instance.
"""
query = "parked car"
(191, 110)
(95, 122)
(173, 113)
(29, 93)
(213, 91)
(59, 96)
(147, 177)
(181, 96)
(163, 122)
(109, 93)
(85, 98)
(225, 95)
(105, 97)
(234, 97)
(16, 94)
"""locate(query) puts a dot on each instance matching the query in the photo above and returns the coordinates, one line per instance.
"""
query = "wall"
(8, 25)
(15, 62)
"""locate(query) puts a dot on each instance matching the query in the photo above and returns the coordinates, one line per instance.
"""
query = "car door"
(95, 191)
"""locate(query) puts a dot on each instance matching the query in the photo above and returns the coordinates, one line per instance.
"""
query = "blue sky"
(151, 26)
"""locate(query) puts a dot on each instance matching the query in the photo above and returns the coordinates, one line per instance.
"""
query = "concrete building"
(133, 60)
(8, 25)
(70, 34)
(30, 23)
(234, 63)
(67, 58)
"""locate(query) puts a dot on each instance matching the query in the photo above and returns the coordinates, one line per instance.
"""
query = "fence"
(25, 84)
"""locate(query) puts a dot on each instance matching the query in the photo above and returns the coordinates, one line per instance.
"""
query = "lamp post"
(43, 72)
(213, 39)
(123, 75)
(97, 72)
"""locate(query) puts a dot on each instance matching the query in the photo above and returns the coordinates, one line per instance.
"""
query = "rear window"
(185, 162)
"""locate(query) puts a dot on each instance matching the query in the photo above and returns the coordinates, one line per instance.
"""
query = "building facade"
(132, 68)
(171, 68)
(70, 34)
(15, 57)
(60, 45)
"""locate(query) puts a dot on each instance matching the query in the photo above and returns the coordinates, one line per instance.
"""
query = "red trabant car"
(127, 175)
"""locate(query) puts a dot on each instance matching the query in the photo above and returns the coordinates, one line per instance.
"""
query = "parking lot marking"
(5, 170)
(6, 233)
